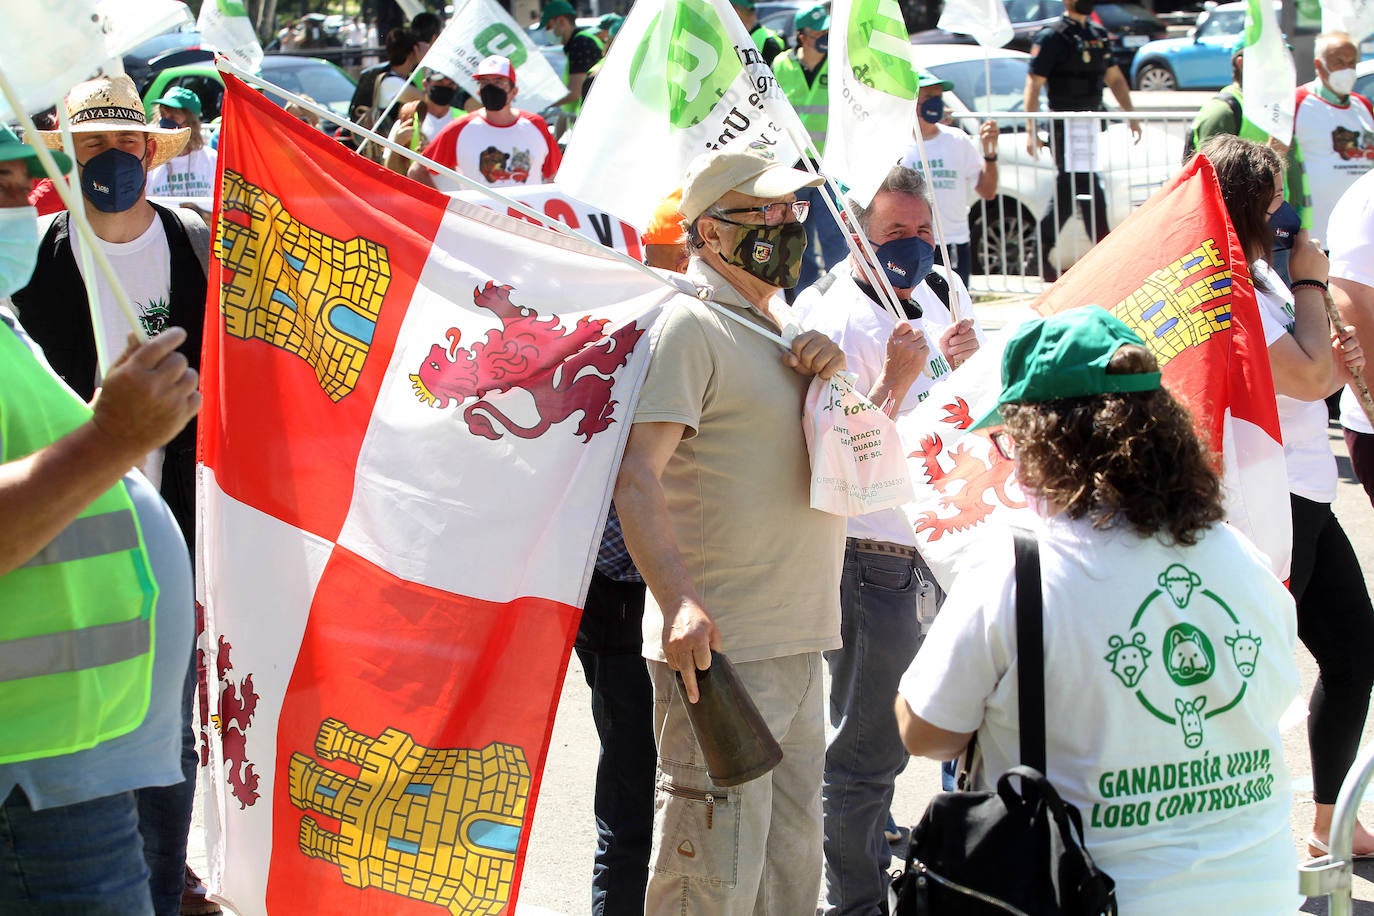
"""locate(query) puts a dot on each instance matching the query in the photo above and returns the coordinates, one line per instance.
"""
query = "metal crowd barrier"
(1332, 875)
(1006, 231)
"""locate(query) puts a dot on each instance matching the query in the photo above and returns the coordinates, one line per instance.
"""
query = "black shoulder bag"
(1008, 851)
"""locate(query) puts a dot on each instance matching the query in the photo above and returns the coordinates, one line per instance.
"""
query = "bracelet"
(992, 158)
(1315, 284)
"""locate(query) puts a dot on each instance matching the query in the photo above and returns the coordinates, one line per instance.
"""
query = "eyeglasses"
(1004, 443)
(773, 214)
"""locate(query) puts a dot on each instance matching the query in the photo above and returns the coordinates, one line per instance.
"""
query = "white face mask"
(18, 247)
(1341, 82)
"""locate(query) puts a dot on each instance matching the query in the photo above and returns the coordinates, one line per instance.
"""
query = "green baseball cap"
(610, 22)
(743, 4)
(815, 19)
(554, 9)
(181, 97)
(12, 148)
(925, 78)
(1066, 356)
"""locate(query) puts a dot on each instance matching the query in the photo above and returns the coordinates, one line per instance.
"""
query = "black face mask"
(442, 95)
(493, 98)
(1084, 7)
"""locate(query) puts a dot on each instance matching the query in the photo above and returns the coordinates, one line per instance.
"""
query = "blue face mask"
(823, 44)
(168, 124)
(1286, 224)
(18, 247)
(113, 180)
(905, 261)
(932, 109)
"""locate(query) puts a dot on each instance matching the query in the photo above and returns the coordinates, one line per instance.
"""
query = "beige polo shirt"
(765, 564)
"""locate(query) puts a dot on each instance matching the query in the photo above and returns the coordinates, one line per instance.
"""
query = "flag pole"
(810, 156)
(935, 214)
(535, 216)
(75, 208)
(1357, 380)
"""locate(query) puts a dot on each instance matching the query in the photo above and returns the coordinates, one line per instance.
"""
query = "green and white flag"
(873, 85)
(481, 28)
(1269, 74)
(225, 27)
(1354, 17)
(683, 77)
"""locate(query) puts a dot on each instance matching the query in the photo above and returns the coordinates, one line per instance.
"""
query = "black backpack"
(1236, 112)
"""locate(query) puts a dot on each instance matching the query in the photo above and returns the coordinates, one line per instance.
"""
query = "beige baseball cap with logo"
(712, 175)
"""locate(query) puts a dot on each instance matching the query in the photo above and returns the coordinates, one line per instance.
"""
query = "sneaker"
(193, 897)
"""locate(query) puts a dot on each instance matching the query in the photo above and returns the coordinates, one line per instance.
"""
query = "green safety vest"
(811, 102)
(575, 105)
(76, 621)
(762, 34)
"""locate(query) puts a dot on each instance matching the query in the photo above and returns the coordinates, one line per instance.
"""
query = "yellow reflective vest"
(76, 620)
(812, 102)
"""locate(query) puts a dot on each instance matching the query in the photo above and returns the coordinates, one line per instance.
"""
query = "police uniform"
(1073, 59)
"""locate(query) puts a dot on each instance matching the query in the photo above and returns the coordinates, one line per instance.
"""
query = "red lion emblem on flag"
(532, 354)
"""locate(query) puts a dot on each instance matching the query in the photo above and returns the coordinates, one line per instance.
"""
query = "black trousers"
(1082, 188)
(1336, 623)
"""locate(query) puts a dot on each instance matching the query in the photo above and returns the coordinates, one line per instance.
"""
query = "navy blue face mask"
(1286, 224)
(823, 44)
(113, 180)
(168, 124)
(905, 261)
(932, 109)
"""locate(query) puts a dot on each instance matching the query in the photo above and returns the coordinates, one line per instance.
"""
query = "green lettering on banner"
(498, 39)
(695, 69)
(880, 48)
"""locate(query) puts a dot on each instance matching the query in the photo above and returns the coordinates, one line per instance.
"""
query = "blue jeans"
(85, 858)
(608, 645)
(825, 244)
(879, 596)
(164, 814)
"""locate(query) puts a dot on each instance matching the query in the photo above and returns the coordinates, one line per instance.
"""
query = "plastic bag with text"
(857, 465)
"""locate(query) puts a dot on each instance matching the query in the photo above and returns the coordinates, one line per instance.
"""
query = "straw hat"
(112, 103)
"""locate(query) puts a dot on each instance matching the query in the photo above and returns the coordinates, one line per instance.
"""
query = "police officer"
(1072, 60)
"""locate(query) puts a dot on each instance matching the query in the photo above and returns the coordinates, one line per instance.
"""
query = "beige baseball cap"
(712, 175)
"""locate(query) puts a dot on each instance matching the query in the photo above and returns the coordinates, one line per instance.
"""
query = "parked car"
(322, 81)
(1364, 77)
(1007, 223)
(1128, 25)
(146, 58)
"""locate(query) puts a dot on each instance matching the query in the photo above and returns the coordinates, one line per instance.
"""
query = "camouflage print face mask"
(771, 253)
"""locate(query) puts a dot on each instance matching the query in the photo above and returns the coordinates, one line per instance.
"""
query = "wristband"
(1315, 284)
(992, 158)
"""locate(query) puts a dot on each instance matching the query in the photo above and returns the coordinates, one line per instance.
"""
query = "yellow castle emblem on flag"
(1182, 304)
(438, 825)
(296, 288)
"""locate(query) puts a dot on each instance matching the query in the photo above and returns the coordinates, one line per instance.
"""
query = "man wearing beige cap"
(160, 257)
(713, 495)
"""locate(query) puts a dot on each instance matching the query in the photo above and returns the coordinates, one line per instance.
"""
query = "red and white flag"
(1175, 273)
(414, 408)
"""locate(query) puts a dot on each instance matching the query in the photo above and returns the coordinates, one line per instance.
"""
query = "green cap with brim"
(12, 148)
(610, 22)
(553, 10)
(743, 4)
(925, 78)
(181, 97)
(1066, 356)
(815, 19)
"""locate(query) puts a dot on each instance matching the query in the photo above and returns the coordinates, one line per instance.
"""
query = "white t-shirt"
(1335, 142)
(1168, 669)
(523, 153)
(955, 164)
(1306, 451)
(192, 175)
(861, 328)
(144, 267)
(432, 124)
(1352, 258)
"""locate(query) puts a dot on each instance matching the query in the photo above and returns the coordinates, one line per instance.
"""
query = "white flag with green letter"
(872, 93)
(479, 29)
(1269, 74)
(225, 27)
(682, 77)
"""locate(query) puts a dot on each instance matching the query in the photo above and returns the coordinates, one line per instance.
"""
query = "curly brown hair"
(1131, 455)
